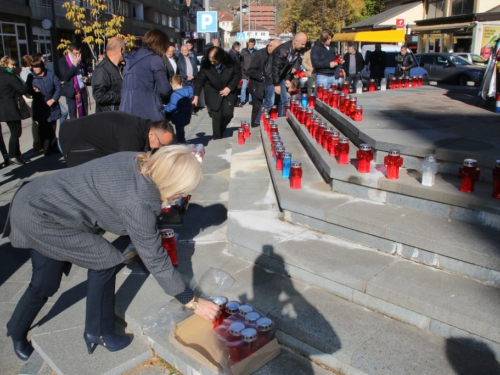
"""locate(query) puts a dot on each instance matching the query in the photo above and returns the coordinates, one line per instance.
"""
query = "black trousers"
(71, 102)
(3, 148)
(15, 133)
(45, 282)
(256, 106)
(47, 132)
(221, 118)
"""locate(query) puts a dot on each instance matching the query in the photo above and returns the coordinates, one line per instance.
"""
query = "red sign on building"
(400, 23)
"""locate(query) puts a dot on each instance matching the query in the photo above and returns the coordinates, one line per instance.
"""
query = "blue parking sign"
(206, 22)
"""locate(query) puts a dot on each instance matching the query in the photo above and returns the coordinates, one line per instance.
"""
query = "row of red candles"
(295, 167)
(346, 104)
(469, 173)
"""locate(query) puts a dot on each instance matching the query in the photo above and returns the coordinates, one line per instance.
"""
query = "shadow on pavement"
(45, 164)
(466, 362)
(198, 218)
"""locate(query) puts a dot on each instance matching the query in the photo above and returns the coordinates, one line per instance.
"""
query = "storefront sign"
(489, 40)
(400, 23)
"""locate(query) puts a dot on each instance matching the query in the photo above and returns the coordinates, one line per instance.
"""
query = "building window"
(123, 8)
(435, 8)
(13, 40)
(170, 21)
(138, 11)
(459, 7)
(164, 20)
(177, 22)
(156, 17)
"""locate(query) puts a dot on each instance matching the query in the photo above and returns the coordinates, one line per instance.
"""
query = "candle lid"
(274, 126)
(296, 164)
(497, 163)
(336, 92)
(344, 140)
(309, 110)
(168, 233)
(280, 148)
(304, 95)
(358, 106)
(232, 307)
(348, 97)
(274, 106)
(236, 329)
(276, 138)
(278, 144)
(322, 123)
(303, 109)
(430, 158)
(245, 309)
(274, 134)
(470, 163)
(353, 99)
(320, 85)
(249, 334)
(287, 155)
(264, 324)
(365, 147)
(342, 94)
(394, 152)
(330, 90)
(270, 122)
(252, 317)
(241, 130)
(219, 301)
(372, 80)
(335, 134)
(267, 115)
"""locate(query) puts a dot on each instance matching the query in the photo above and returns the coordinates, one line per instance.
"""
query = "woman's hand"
(206, 309)
(225, 91)
(50, 102)
(36, 89)
(195, 101)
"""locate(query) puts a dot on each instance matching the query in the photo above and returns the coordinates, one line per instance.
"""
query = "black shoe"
(20, 157)
(46, 147)
(255, 125)
(22, 348)
(16, 161)
(240, 104)
(110, 341)
(250, 103)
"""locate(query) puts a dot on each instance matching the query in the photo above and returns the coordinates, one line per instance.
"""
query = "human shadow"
(52, 162)
(475, 358)
(294, 315)
(230, 131)
(198, 218)
(202, 138)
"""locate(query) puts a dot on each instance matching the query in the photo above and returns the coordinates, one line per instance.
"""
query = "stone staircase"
(376, 245)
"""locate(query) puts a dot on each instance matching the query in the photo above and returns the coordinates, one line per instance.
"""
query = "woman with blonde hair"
(59, 218)
(13, 109)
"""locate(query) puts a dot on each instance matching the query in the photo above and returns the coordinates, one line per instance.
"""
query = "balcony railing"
(40, 10)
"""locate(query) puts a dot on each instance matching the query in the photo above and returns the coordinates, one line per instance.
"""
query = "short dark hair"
(74, 45)
(37, 62)
(324, 36)
(351, 45)
(163, 125)
(157, 41)
(26, 61)
(236, 44)
(177, 79)
(251, 40)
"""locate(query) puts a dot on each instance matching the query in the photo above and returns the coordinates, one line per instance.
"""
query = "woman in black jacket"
(45, 89)
(13, 109)
(219, 77)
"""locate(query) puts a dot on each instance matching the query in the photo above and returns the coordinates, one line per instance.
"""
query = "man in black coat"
(353, 65)
(404, 63)
(377, 63)
(219, 77)
(286, 60)
(171, 63)
(234, 52)
(107, 77)
(260, 73)
(187, 66)
(246, 58)
(71, 66)
(323, 59)
(105, 133)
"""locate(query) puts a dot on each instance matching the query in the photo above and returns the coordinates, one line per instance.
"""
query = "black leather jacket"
(404, 60)
(107, 86)
(284, 59)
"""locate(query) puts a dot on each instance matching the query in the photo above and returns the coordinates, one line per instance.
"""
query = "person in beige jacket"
(307, 64)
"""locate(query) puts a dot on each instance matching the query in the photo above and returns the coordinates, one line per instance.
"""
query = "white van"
(391, 51)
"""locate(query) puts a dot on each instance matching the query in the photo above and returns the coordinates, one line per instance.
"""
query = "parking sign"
(206, 22)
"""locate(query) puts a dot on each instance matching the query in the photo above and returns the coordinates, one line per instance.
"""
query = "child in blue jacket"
(179, 108)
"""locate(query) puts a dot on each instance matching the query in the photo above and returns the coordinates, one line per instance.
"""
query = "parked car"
(445, 67)
(472, 58)
(391, 51)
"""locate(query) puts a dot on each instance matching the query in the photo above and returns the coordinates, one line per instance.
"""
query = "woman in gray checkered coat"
(60, 216)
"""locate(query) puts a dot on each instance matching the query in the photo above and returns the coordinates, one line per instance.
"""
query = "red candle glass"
(371, 85)
(325, 139)
(319, 133)
(246, 126)
(272, 128)
(345, 88)
(346, 104)
(287, 108)
(319, 91)
(263, 111)
(241, 136)
(496, 180)
(274, 112)
(343, 153)
(399, 83)
(296, 175)
(406, 82)
(393, 161)
(333, 143)
(221, 302)
(333, 86)
(276, 144)
(168, 242)
(234, 341)
(311, 101)
(364, 156)
(279, 157)
(358, 113)
(328, 97)
(267, 117)
(292, 106)
(352, 106)
(273, 143)
(469, 174)
(342, 102)
(419, 82)
(249, 336)
(265, 332)
(335, 99)
(302, 115)
(314, 127)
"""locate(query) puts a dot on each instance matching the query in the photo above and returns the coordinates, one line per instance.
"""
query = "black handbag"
(22, 107)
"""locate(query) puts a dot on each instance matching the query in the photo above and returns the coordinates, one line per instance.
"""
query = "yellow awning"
(385, 36)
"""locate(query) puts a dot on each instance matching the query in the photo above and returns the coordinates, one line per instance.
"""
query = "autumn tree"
(312, 16)
(95, 25)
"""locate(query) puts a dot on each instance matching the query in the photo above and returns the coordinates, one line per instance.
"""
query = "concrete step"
(443, 199)
(426, 299)
(436, 241)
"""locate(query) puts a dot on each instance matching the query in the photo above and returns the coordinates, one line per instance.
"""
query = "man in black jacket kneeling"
(107, 77)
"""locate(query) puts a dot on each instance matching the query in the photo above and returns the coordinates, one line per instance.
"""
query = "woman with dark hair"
(45, 89)
(219, 77)
(145, 84)
(13, 109)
